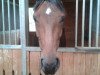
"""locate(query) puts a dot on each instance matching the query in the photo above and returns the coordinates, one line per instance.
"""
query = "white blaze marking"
(48, 11)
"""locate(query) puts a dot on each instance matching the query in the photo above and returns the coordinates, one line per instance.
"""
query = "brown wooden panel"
(7, 62)
(79, 64)
(91, 64)
(68, 64)
(17, 64)
(1, 63)
(59, 72)
(34, 61)
(98, 70)
(27, 63)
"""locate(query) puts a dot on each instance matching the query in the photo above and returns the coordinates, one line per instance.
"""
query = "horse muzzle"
(50, 68)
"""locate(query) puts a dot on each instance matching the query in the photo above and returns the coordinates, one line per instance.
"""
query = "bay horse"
(49, 16)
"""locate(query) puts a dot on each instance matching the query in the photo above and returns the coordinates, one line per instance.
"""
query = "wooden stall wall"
(10, 62)
(70, 63)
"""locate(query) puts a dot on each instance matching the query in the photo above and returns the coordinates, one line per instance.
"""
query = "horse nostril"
(50, 68)
(57, 63)
(41, 62)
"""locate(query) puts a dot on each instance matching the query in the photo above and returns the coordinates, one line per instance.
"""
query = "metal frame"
(90, 22)
(3, 18)
(9, 22)
(90, 25)
(23, 7)
(83, 21)
(76, 48)
(76, 23)
(97, 26)
(17, 47)
(14, 10)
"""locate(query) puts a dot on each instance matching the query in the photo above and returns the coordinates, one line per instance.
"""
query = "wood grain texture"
(17, 62)
(68, 64)
(7, 62)
(1, 63)
(35, 63)
(98, 68)
(91, 62)
(27, 62)
(60, 70)
(79, 64)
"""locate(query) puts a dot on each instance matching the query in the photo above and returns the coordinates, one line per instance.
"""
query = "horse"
(49, 17)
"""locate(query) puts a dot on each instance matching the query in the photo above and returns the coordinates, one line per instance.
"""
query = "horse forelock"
(57, 3)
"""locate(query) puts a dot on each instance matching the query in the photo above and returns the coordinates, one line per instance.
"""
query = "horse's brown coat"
(49, 29)
(49, 23)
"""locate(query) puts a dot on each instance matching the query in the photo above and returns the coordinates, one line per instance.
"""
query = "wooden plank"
(34, 63)
(68, 64)
(17, 65)
(60, 70)
(79, 64)
(91, 64)
(1, 63)
(8, 62)
(27, 62)
(98, 70)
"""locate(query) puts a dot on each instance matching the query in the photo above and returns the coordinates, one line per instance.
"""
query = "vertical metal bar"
(23, 8)
(3, 19)
(97, 26)
(83, 22)
(14, 10)
(9, 22)
(90, 22)
(76, 24)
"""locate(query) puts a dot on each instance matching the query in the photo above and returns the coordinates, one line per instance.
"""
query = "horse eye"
(35, 19)
(62, 19)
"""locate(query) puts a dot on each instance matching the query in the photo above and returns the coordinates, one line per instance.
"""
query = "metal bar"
(3, 19)
(11, 2)
(76, 24)
(90, 22)
(10, 47)
(61, 49)
(97, 26)
(83, 22)
(37, 49)
(9, 22)
(8, 31)
(67, 49)
(23, 8)
(92, 49)
(14, 10)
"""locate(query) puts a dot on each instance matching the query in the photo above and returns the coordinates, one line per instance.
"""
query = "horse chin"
(50, 68)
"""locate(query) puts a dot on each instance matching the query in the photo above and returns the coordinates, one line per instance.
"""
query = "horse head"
(49, 16)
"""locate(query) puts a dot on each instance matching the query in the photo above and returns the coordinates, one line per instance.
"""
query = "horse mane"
(58, 3)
